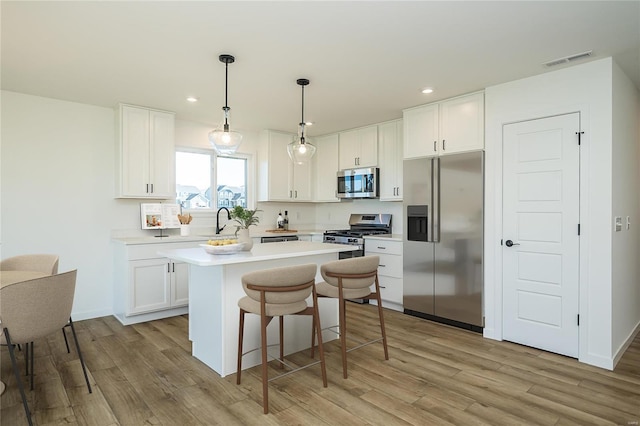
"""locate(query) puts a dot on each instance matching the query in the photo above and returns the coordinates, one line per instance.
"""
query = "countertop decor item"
(245, 218)
(224, 140)
(300, 150)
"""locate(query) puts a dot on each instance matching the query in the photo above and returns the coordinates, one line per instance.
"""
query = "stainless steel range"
(360, 225)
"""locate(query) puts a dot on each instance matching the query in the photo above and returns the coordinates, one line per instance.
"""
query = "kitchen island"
(214, 290)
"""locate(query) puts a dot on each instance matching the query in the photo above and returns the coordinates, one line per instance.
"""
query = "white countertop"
(259, 252)
(151, 239)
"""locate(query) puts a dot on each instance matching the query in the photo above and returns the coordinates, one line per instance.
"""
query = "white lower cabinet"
(148, 286)
(389, 270)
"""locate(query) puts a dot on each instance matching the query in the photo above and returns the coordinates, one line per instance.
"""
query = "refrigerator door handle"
(436, 200)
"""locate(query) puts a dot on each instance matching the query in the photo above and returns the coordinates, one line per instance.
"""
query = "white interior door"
(540, 217)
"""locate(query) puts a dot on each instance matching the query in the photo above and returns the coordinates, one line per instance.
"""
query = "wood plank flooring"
(436, 375)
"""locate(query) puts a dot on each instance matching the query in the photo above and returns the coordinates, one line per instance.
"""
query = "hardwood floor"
(436, 375)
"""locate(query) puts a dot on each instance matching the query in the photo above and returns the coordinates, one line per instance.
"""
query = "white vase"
(184, 230)
(244, 238)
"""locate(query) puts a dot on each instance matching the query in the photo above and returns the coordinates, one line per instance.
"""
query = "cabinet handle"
(152, 188)
(168, 268)
(147, 188)
(382, 286)
(296, 192)
(444, 146)
(435, 146)
(174, 267)
(382, 248)
(290, 194)
(382, 266)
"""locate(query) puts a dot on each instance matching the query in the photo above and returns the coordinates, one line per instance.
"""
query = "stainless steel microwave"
(359, 183)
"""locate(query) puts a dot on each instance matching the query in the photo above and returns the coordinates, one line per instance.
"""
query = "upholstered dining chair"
(351, 279)
(33, 309)
(45, 263)
(278, 292)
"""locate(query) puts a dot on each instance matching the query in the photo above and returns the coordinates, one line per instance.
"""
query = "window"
(207, 181)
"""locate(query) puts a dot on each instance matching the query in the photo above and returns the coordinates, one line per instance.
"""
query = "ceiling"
(366, 60)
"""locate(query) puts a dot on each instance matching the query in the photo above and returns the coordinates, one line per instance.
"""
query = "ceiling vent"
(568, 59)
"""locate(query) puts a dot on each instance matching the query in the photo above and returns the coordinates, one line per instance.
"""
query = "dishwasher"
(278, 239)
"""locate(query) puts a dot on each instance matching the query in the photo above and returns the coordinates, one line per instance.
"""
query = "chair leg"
(84, 368)
(265, 375)
(313, 334)
(26, 359)
(66, 342)
(240, 337)
(343, 334)
(17, 374)
(316, 321)
(281, 341)
(32, 353)
(382, 329)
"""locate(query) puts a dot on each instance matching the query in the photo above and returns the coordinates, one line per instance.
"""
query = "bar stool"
(351, 279)
(279, 292)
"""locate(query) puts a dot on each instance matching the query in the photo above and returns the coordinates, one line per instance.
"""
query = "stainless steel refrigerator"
(443, 238)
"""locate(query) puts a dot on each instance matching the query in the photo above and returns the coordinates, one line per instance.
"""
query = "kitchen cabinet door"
(390, 148)
(179, 284)
(326, 168)
(462, 124)
(421, 131)
(146, 153)
(448, 127)
(358, 148)
(279, 178)
(149, 286)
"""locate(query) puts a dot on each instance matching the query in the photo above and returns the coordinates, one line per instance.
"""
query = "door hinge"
(578, 229)
(578, 319)
(579, 137)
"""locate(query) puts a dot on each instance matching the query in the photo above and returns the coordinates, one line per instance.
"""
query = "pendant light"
(300, 150)
(223, 140)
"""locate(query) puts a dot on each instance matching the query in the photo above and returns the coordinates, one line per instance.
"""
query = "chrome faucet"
(218, 229)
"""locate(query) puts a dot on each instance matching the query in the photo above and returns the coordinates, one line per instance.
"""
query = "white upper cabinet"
(279, 179)
(448, 127)
(146, 153)
(390, 148)
(421, 131)
(326, 167)
(359, 148)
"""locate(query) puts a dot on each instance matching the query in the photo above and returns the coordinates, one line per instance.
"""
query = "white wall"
(57, 163)
(625, 203)
(586, 89)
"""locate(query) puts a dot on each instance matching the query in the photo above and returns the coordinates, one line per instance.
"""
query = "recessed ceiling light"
(192, 99)
(427, 90)
(308, 123)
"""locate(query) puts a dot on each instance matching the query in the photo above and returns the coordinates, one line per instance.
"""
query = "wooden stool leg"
(265, 376)
(281, 341)
(240, 337)
(316, 322)
(381, 316)
(313, 334)
(343, 334)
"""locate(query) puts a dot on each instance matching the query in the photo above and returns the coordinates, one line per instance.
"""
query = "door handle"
(510, 243)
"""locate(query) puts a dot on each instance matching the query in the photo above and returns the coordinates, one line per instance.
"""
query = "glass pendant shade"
(300, 151)
(223, 140)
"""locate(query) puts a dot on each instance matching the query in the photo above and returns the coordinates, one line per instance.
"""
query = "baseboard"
(625, 345)
(80, 316)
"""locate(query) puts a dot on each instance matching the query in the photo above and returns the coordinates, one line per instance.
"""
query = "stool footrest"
(311, 364)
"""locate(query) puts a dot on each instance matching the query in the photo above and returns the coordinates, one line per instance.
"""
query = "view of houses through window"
(197, 172)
